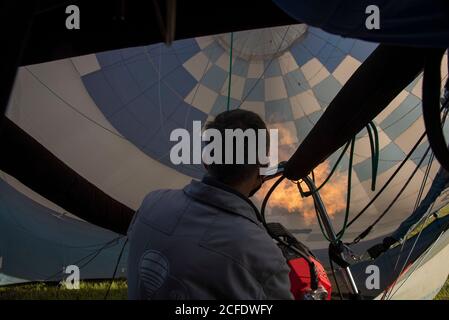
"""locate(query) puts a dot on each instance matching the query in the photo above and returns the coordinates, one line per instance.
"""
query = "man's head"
(242, 177)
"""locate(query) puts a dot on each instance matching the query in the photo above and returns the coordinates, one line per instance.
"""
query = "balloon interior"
(119, 107)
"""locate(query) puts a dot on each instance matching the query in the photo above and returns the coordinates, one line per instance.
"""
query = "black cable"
(387, 183)
(410, 178)
(331, 173)
(115, 269)
(312, 268)
(423, 183)
(54, 7)
(94, 254)
(335, 276)
(430, 102)
(426, 175)
(267, 197)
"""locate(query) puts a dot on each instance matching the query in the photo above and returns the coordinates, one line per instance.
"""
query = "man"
(205, 241)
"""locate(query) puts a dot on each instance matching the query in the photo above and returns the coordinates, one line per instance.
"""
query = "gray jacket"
(203, 242)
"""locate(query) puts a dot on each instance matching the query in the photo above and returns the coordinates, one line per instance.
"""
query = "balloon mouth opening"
(262, 44)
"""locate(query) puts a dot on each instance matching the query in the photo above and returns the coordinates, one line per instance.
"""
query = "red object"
(300, 278)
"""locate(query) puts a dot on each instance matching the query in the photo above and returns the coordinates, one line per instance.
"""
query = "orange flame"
(287, 195)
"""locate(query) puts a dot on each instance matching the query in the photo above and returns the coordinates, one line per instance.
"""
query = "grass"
(89, 290)
(444, 292)
(94, 290)
(441, 213)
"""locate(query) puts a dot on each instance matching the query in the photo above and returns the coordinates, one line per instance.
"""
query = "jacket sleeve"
(277, 286)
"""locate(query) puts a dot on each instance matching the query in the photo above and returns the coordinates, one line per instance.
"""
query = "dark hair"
(235, 119)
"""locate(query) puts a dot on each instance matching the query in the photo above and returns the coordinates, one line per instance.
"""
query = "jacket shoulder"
(162, 209)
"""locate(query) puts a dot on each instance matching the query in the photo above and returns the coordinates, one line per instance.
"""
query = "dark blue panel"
(388, 158)
(362, 49)
(410, 104)
(108, 58)
(334, 39)
(344, 163)
(158, 144)
(130, 53)
(181, 80)
(303, 127)
(320, 33)
(185, 49)
(122, 83)
(100, 91)
(326, 90)
(213, 51)
(313, 44)
(331, 57)
(346, 44)
(273, 69)
(163, 97)
(240, 67)
(131, 128)
(163, 58)
(295, 83)
(185, 114)
(395, 130)
(159, 147)
(142, 72)
(214, 78)
(146, 113)
(301, 54)
(419, 153)
(255, 88)
(278, 111)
